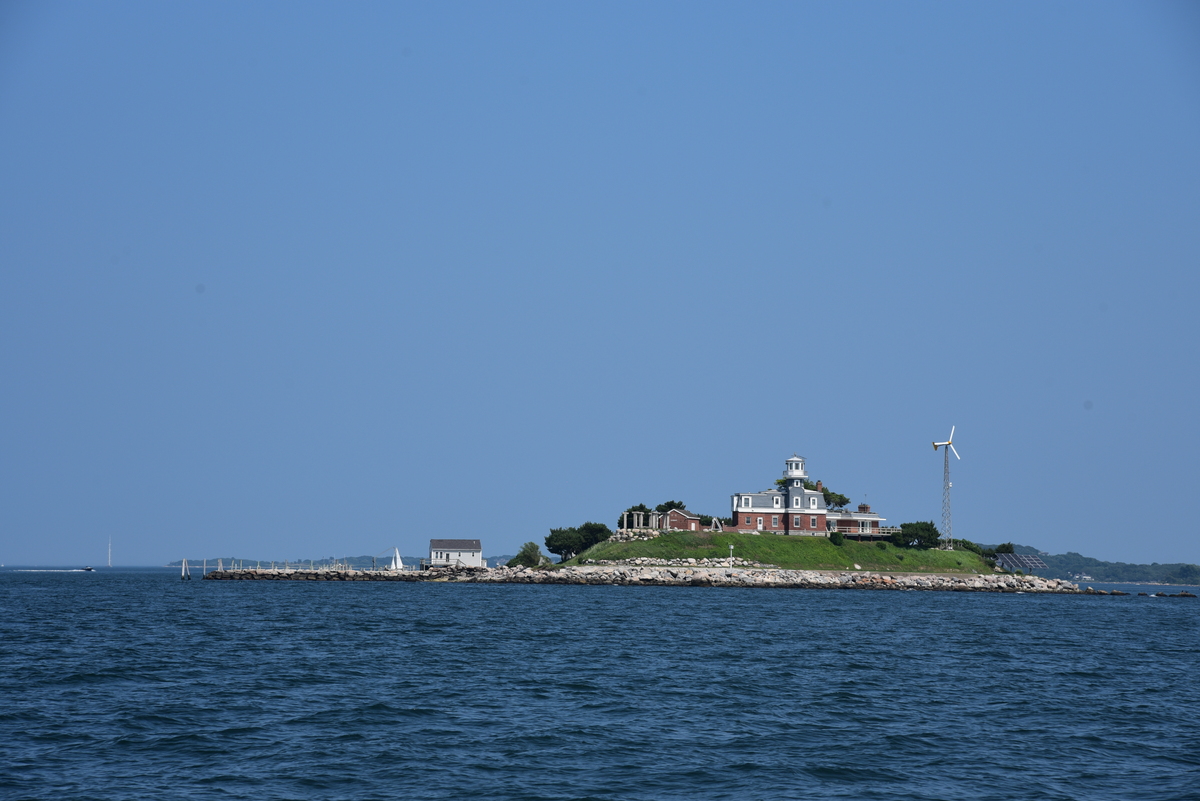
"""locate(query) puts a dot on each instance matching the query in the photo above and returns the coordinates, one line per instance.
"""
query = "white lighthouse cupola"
(795, 468)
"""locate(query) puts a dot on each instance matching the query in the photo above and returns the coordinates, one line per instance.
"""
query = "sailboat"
(397, 562)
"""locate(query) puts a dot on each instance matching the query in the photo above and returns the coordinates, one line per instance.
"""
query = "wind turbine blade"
(951, 437)
(956, 456)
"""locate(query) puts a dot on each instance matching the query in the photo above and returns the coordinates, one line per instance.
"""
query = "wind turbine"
(948, 446)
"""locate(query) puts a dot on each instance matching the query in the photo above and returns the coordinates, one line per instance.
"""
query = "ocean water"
(133, 684)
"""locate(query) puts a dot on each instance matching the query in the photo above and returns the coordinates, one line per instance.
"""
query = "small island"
(795, 534)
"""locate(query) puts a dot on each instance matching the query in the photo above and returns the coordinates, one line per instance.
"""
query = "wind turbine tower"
(947, 446)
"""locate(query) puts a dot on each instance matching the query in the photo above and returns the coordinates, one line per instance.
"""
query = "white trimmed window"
(796, 521)
(775, 521)
(778, 501)
(812, 503)
(796, 502)
(812, 522)
(745, 501)
(864, 526)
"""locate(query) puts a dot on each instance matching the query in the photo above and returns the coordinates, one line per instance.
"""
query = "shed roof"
(685, 513)
(455, 545)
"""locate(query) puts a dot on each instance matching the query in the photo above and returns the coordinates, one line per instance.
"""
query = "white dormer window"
(812, 503)
(796, 502)
(796, 483)
(745, 502)
(778, 501)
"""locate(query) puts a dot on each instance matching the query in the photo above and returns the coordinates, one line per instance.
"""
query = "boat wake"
(55, 570)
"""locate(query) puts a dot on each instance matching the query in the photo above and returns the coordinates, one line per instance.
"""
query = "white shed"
(455, 553)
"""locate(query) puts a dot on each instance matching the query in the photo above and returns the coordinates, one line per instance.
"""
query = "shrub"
(529, 556)
(836, 538)
(881, 546)
(967, 545)
(900, 556)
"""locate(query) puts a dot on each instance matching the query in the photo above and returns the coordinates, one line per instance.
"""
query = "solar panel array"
(1019, 561)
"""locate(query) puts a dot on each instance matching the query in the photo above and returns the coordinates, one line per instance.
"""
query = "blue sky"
(290, 280)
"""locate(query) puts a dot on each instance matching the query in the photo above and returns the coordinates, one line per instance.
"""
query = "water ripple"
(127, 684)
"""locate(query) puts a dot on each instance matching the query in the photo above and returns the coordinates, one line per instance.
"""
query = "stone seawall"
(678, 576)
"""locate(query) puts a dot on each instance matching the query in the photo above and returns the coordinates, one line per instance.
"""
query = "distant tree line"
(1072, 564)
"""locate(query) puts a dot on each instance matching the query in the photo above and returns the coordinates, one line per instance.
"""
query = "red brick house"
(681, 520)
(795, 509)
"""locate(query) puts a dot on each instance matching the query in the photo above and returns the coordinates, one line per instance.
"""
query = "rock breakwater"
(674, 575)
(646, 560)
(682, 574)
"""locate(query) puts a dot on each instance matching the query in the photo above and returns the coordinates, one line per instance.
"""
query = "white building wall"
(460, 558)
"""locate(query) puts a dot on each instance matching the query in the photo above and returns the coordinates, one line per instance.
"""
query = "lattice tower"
(947, 530)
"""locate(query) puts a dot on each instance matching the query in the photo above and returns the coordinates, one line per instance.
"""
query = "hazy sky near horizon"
(284, 280)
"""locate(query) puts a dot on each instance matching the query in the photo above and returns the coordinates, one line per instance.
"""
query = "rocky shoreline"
(682, 574)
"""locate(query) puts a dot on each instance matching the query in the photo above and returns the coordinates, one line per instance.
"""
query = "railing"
(852, 530)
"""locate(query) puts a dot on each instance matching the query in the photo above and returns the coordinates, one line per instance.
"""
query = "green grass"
(798, 553)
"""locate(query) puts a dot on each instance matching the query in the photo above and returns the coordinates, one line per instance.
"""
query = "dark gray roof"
(455, 545)
(685, 513)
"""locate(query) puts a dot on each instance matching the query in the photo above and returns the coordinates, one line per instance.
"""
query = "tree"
(917, 535)
(592, 533)
(663, 508)
(836, 538)
(834, 500)
(1006, 547)
(529, 556)
(566, 542)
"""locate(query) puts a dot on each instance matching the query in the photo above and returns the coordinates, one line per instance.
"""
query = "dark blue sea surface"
(134, 684)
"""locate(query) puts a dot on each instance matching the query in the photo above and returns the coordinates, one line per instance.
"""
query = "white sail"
(397, 564)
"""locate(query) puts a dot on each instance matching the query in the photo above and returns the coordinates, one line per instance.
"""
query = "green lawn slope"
(797, 553)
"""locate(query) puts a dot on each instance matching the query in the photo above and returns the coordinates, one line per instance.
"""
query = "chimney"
(865, 508)
(819, 488)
